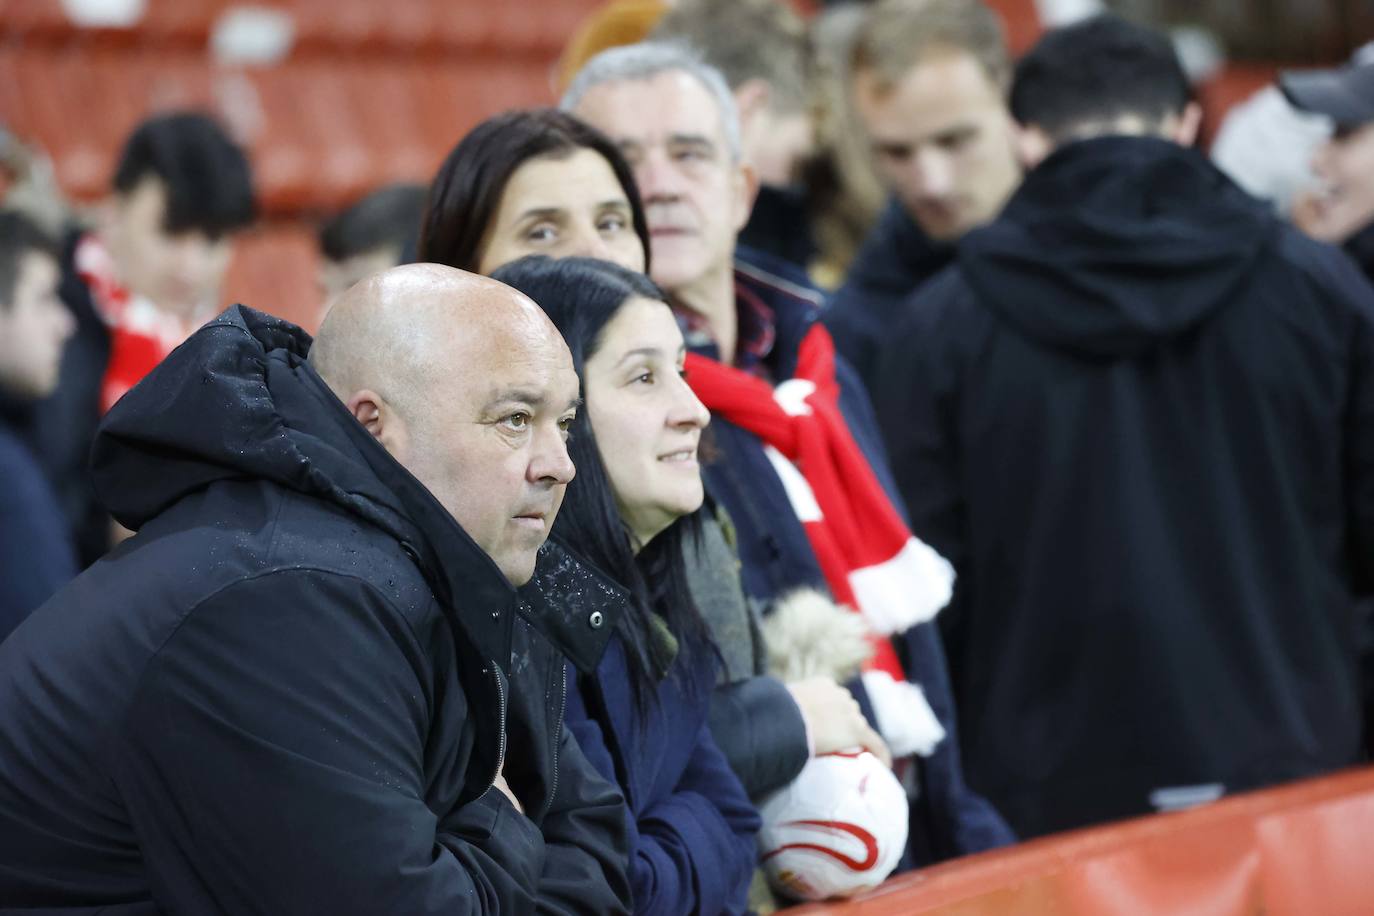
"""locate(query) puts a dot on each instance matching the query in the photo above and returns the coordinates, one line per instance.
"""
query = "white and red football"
(837, 829)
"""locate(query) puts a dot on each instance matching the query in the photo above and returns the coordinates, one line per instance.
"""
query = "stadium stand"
(1291, 851)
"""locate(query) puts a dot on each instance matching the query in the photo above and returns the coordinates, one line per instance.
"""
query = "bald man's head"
(468, 384)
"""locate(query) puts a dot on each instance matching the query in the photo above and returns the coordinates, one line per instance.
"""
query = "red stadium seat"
(274, 270)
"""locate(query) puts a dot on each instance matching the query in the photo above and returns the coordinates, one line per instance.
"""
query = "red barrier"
(1302, 849)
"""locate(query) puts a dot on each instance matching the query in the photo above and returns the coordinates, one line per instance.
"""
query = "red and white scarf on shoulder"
(141, 334)
(871, 561)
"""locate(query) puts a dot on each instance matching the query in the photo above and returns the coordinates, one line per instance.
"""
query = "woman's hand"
(834, 719)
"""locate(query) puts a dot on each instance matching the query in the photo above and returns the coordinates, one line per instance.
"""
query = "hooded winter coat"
(1138, 417)
(290, 692)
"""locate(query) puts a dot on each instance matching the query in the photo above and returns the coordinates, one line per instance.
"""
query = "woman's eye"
(541, 234)
(611, 224)
(646, 377)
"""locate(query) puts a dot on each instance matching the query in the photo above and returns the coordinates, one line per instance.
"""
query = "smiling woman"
(642, 718)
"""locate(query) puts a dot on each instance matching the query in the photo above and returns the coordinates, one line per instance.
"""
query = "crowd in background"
(933, 402)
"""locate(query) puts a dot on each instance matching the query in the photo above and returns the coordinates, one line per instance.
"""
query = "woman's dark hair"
(467, 189)
(582, 295)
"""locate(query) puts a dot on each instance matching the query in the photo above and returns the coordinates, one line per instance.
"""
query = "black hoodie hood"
(1116, 243)
(238, 401)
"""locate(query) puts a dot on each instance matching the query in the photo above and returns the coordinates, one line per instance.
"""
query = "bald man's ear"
(381, 420)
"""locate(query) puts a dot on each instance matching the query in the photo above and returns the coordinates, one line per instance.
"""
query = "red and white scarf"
(870, 560)
(141, 334)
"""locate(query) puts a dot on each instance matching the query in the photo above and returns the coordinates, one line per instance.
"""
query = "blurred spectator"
(533, 182)
(375, 233)
(760, 47)
(137, 286)
(1341, 211)
(842, 181)
(30, 186)
(612, 25)
(36, 556)
(1265, 145)
(823, 519)
(930, 80)
(1139, 418)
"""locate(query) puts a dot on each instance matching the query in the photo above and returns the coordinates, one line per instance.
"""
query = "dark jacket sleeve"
(692, 852)
(586, 844)
(758, 726)
(274, 760)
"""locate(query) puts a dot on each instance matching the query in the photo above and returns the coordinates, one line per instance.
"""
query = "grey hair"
(648, 59)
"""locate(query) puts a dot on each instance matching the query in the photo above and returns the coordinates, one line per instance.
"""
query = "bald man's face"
(491, 443)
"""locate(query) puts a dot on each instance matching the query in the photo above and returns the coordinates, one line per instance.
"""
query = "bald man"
(324, 676)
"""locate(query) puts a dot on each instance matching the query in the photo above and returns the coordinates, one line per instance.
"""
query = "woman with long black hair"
(641, 719)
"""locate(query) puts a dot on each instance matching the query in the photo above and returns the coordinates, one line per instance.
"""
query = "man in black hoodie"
(309, 683)
(1138, 417)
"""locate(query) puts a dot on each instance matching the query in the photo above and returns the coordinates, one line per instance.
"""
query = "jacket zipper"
(558, 733)
(501, 754)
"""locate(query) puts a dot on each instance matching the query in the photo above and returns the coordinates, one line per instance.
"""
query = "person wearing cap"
(1341, 209)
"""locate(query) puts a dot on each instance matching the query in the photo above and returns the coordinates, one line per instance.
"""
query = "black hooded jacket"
(291, 691)
(1138, 417)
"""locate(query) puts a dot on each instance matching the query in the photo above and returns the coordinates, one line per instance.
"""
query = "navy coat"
(692, 828)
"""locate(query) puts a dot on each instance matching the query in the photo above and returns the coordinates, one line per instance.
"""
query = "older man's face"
(490, 441)
(696, 197)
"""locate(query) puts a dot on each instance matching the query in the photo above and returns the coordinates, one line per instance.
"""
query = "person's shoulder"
(946, 301)
(772, 277)
(1326, 266)
(894, 258)
(324, 538)
(246, 535)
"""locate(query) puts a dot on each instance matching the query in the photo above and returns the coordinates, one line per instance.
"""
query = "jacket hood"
(238, 401)
(1116, 243)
